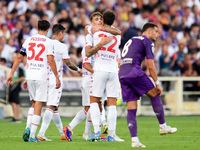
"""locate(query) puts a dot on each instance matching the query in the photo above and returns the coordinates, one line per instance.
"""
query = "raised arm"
(92, 30)
(111, 30)
(92, 50)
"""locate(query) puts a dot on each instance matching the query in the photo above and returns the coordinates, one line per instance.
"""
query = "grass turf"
(186, 138)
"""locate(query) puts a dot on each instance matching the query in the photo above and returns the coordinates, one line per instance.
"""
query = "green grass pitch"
(186, 138)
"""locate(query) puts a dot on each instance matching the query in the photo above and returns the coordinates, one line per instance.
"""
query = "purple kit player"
(135, 83)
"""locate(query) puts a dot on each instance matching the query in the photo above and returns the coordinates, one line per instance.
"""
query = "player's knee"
(152, 93)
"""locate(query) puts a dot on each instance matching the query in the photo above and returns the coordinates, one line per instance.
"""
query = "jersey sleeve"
(65, 50)
(149, 49)
(88, 40)
(24, 47)
(50, 48)
(85, 59)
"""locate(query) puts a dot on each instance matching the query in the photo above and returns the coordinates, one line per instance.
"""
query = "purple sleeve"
(149, 49)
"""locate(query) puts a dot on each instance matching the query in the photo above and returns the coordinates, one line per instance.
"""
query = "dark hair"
(147, 26)
(3, 60)
(57, 28)
(43, 25)
(108, 17)
(95, 14)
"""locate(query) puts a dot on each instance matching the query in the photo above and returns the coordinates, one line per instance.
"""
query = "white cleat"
(167, 130)
(86, 135)
(118, 139)
(43, 138)
(138, 144)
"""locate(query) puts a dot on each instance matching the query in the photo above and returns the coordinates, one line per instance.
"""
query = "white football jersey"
(60, 52)
(106, 57)
(37, 48)
(85, 59)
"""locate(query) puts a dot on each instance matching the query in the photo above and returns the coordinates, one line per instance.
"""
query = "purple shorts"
(134, 88)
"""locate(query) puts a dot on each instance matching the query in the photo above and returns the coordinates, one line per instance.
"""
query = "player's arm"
(88, 67)
(92, 50)
(72, 66)
(52, 64)
(15, 65)
(153, 73)
(111, 30)
(92, 30)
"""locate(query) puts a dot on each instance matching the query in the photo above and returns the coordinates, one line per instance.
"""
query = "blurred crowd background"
(177, 51)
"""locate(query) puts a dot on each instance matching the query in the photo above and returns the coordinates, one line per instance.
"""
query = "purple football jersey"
(134, 52)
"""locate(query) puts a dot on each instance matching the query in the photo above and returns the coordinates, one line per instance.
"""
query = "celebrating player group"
(104, 68)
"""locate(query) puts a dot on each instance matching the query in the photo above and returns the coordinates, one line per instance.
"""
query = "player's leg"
(46, 119)
(132, 123)
(98, 87)
(27, 131)
(111, 118)
(88, 124)
(52, 104)
(57, 120)
(40, 98)
(80, 116)
(32, 89)
(159, 111)
(130, 97)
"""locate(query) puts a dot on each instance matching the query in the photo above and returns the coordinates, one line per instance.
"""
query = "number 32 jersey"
(106, 57)
(37, 48)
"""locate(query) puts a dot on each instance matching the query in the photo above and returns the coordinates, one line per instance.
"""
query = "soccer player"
(96, 21)
(105, 77)
(40, 56)
(54, 95)
(135, 83)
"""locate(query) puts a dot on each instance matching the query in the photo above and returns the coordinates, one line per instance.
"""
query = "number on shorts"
(126, 48)
(37, 57)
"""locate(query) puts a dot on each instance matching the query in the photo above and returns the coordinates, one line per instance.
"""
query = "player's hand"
(159, 89)
(25, 85)
(80, 72)
(58, 84)
(9, 80)
(96, 28)
(106, 40)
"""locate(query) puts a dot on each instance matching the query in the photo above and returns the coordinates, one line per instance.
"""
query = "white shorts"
(85, 88)
(54, 95)
(37, 90)
(102, 81)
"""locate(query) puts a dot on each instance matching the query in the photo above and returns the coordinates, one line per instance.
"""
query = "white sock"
(57, 120)
(34, 125)
(80, 116)
(135, 139)
(29, 117)
(163, 125)
(46, 119)
(103, 116)
(100, 122)
(95, 115)
(88, 123)
(112, 118)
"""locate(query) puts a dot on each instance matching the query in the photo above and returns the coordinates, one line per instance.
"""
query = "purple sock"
(132, 122)
(158, 109)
